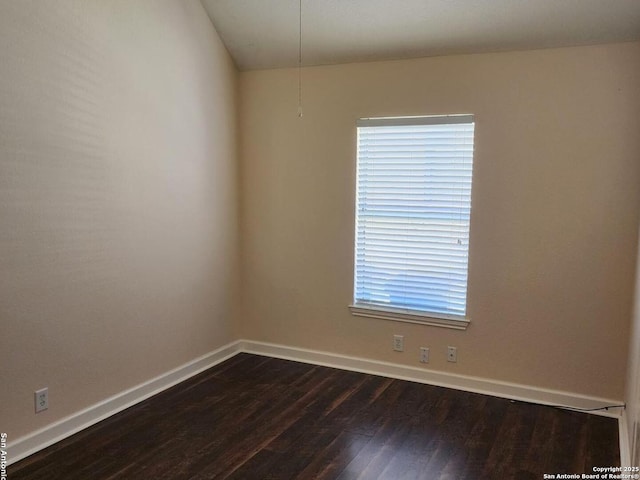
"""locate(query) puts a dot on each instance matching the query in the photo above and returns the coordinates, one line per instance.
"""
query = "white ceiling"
(264, 33)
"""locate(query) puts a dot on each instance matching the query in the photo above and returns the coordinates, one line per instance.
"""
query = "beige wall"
(117, 198)
(554, 221)
(632, 394)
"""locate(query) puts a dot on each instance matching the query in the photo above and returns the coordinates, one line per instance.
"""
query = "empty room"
(319, 239)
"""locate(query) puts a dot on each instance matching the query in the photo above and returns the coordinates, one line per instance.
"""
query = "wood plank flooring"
(260, 418)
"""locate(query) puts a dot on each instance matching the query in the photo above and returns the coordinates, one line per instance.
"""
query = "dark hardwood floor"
(255, 417)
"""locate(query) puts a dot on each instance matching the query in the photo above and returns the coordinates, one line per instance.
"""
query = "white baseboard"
(484, 386)
(33, 442)
(625, 448)
(38, 440)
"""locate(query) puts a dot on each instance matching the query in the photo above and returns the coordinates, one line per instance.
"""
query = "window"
(413, 208)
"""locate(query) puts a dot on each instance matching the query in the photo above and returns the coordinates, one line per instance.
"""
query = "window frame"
(422, 317)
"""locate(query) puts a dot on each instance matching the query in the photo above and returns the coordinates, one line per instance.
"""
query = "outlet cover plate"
(41, 398)
(424, 355)
(452, 354)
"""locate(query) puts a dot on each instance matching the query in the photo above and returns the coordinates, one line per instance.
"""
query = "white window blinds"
(412, 214)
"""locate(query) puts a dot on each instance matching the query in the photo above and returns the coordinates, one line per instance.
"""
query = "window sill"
(431, 319)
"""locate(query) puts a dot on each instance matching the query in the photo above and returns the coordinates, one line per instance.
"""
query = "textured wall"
(554, 219)
(117, 198)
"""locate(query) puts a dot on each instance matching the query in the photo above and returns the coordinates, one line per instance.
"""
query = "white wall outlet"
(424, 355)
(398, 343)
(452, 354)
(42, 399)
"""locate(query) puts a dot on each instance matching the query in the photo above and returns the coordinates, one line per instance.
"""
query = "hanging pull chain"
(300, 58)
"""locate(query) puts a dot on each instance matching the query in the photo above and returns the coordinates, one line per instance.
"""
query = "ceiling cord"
(300, 58)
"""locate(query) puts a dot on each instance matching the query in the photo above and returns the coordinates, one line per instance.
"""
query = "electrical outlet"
(424, 355)
(398, 343)
(452, 354)
(41, 399)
